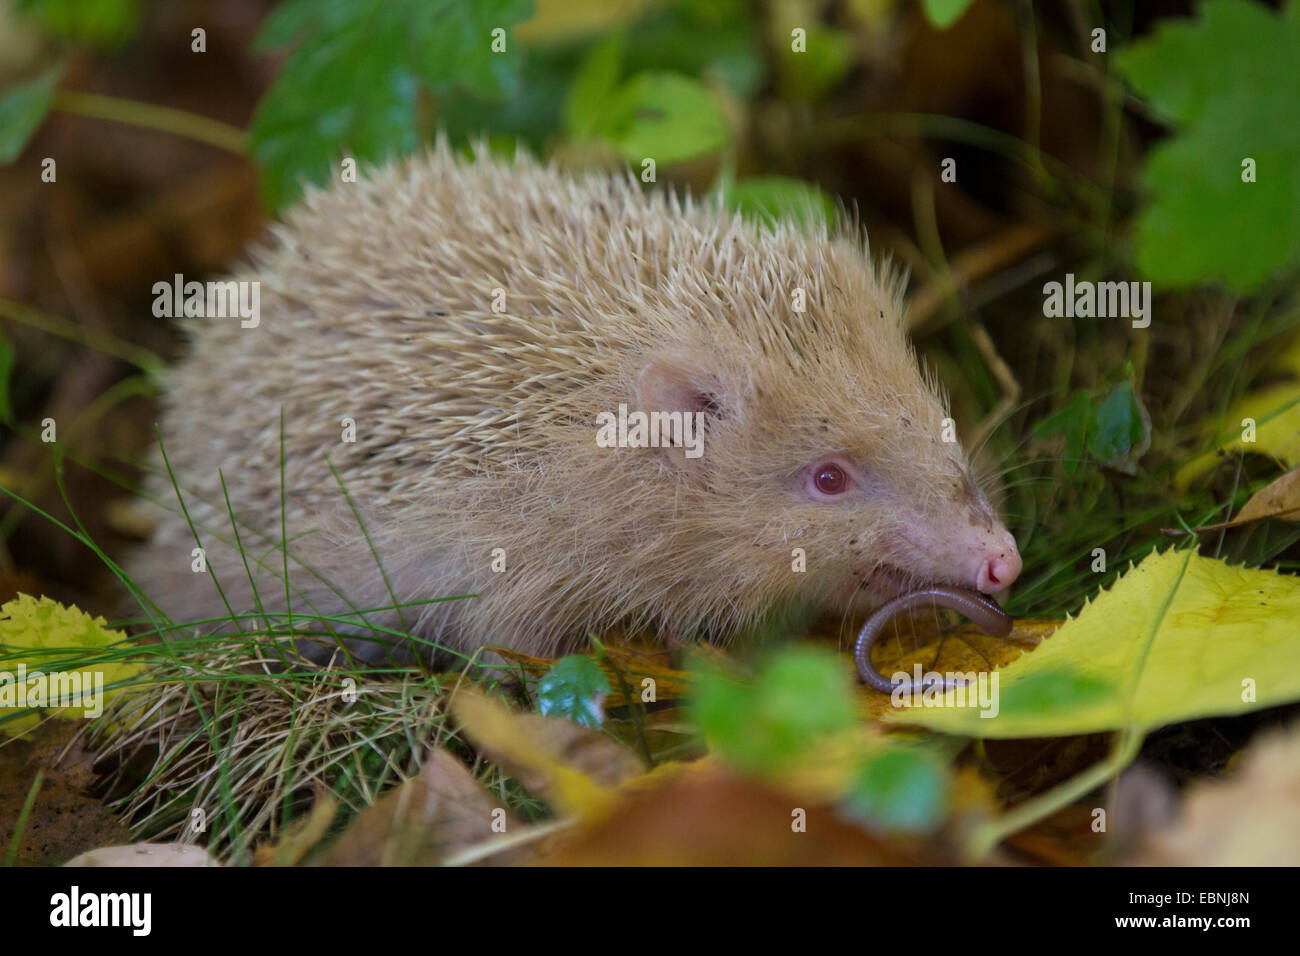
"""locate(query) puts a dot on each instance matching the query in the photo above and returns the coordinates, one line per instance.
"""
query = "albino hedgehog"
(476, 427)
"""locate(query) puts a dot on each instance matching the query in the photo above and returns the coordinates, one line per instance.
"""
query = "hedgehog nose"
(998, 568)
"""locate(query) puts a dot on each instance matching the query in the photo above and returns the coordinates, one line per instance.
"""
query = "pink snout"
(999, 566)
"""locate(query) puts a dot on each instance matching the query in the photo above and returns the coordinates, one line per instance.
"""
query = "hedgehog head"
(820, 432)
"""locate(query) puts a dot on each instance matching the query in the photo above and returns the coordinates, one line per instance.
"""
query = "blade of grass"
(11, 854)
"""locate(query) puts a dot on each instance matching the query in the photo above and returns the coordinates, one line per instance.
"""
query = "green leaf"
(1120, 430)
(529, 117)
(809, 75)
(22, 110)
(574, 688)
(801, 696)
(291, 21)
(106, 23)
(665, 117)
(805, 690)
(359, 69)
(719, 706)
(595, 80)
(944, 13)
(706, 38)
(1072, 420)
(899, 789)
(1203, 222)
(772, 198)
(1116, 431)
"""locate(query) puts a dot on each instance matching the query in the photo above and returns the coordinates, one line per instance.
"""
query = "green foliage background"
(371, 79)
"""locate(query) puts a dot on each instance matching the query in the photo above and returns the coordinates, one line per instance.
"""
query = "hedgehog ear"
(683, 385)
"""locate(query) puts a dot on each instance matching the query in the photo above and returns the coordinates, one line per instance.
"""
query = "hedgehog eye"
(828, 481)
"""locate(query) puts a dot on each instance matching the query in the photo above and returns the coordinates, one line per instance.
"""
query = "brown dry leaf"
(704, 815)
(301, 837)
(536, 666)
(1280, 499)
(1252, 818)
(573, 768)
(588, 751)
(425, 820)
(664, 725)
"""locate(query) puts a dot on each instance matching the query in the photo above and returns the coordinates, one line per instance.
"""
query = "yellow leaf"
(533, 752)
(1176, 638)
(962, 649)
(55, 654)
(1276, 413)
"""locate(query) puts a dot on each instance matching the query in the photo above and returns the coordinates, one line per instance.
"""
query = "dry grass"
(225, 745)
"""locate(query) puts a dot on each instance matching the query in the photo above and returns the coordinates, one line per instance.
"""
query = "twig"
(492, 847)
(971, 265)
(164, 118)
(1005, 378)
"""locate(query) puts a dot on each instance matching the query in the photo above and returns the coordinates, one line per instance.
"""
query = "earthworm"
(980, 609)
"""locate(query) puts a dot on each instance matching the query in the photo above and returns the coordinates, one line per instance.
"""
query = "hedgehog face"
(883, 501)
(878, 538)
